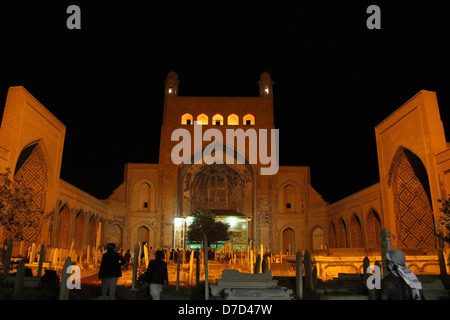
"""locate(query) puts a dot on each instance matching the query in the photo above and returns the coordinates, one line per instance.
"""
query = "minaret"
(171, 84)
(265, 85)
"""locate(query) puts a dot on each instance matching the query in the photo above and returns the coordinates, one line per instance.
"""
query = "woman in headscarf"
(401, 283)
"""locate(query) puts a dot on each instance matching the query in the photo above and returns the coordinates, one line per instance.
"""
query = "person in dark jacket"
(127, 258)
(157, 275)
(401, 283)
(110, 270)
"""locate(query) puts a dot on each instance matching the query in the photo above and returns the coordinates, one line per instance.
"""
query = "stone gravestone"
(234, 285)
(299, 275)
(442, 267)
(308, 271)
(55, 258)
(386, 245)
(366, 264)
(178, 272)
(41, 261)
(8, 258)
(33, 253)
(20, 275)
(64, 290)
(257, 266)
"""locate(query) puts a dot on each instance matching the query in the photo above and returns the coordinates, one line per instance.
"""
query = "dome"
(265, 76)
(172, 75)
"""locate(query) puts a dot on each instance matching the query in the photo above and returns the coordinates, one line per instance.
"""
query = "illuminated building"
(283, 212)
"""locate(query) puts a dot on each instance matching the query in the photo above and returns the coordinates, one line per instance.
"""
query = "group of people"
(111, 270)
(400, 284)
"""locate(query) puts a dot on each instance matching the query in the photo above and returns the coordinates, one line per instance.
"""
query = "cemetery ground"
(188, 288)
(344, 287)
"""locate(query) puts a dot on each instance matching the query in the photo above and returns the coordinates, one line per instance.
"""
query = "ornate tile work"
(35, 176)
(332, 236)
(342, 234)
(79, 231)
(356, 233)
(414, 217)
(373, 226)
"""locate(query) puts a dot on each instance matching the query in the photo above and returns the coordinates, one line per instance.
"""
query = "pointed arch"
(115, 235)
(332, 238)
(288, 238)
(414, 218)
(63, 233)
(342, 234)
(31, 171)
(144, 196)
(373, 229)
(317, 238)
(289, 199)
(356, 236)
(80, 227)
(233, 120)
(217, 119)
(289, 196)
(202, 119)
(187, 119)
(248, 119)
(93, 232)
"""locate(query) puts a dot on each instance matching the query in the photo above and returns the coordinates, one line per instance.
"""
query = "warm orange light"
(248, 119)
(202, 119)
(187, 119)
(233, 120)
(217, 119)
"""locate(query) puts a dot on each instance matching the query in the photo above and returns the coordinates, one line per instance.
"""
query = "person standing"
(401, 283)
(127, 258)
(151, 254)
(110, 270)
(157, 275)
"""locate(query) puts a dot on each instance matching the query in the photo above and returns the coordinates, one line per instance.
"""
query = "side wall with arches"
(26, 122)
(415, 127)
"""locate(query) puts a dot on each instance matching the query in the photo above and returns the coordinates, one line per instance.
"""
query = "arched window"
(342, 234)
(356, 232)
(233, 120)
(248, 119)
(144, 197)
(187, 119)
(79, 230)
(373, 229)
(317, 238)
(217, 120)
(202, 119)
(289, 198)
(64, 228)
(332, 241)
(288, 241)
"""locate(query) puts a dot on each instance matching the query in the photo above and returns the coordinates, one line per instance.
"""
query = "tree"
(204, 222)
(444, 221)
(17, 209)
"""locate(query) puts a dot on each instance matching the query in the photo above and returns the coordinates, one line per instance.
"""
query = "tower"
(171, 84)
(265, 85)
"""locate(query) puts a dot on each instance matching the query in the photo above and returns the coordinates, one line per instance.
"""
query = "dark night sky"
(335, 80)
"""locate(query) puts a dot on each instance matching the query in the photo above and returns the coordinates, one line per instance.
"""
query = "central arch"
(412, 201)
(31, 172)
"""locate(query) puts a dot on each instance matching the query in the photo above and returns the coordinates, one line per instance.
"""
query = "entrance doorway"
(288, 241)
(143, 235)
